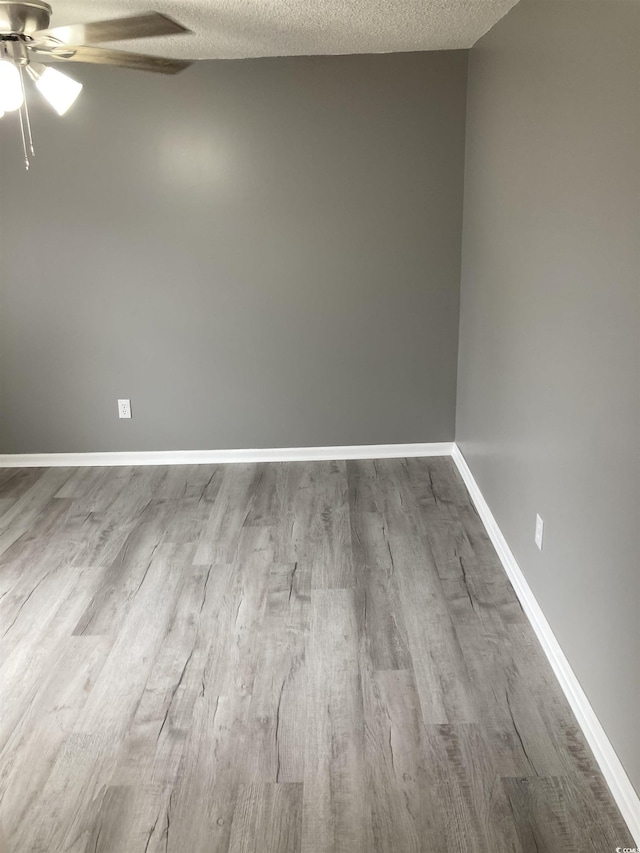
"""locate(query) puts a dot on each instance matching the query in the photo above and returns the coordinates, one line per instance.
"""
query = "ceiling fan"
(27, 45)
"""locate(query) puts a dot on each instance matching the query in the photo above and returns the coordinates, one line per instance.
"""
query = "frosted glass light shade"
(11, 94)
(58, 89)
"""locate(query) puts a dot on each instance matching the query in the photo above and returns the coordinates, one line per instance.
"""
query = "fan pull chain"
(24, 141)
(25, 123)
(26, 113)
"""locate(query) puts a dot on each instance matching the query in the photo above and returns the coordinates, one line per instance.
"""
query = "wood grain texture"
(283, 658)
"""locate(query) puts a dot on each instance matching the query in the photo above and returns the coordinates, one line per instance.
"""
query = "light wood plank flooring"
(276, 657)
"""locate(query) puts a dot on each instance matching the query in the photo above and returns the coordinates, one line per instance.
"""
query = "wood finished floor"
(276, 657)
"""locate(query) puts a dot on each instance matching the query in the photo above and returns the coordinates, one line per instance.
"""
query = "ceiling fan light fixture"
(58, 89)
(11, 91)
(25, 35)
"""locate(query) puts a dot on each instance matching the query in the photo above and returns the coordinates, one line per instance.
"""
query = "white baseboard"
(619, 783)
(213, 457)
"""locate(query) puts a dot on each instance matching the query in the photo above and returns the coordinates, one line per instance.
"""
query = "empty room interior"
(320, 426)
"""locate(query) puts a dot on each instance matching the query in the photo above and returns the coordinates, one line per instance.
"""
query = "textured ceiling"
(243, 28)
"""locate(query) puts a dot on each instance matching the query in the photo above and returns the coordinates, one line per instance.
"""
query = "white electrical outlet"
(124, 408)
(539, 531)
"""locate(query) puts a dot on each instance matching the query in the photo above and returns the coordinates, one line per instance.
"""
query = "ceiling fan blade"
(124, 59)
(137, 26)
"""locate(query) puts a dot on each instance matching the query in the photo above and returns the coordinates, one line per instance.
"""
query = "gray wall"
(549, 371)
(258, 253)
